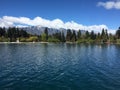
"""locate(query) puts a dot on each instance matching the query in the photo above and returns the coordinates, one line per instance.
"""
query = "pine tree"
(106, 34)
(11, 34)
(2, 32)
(46, 32)
(79, 34)
(98, 36)
(103, 34)
(74, 38)
(69, 35)
(86, 35)
(118, 33)
(92, 35)
(63, 37)
(43, 37)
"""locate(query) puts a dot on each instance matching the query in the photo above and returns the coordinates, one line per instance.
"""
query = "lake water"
(59, 67)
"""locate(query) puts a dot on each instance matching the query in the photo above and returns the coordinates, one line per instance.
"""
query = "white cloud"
(114, 4)
(112, 31)
(4, 23)
(7, 21)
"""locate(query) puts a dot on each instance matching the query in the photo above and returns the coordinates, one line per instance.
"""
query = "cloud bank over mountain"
(8, 21)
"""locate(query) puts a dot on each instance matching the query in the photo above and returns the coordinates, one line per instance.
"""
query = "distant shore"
(55, 42)
(20, 42)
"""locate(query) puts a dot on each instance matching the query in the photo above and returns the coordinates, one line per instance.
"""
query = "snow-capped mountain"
(38, 30)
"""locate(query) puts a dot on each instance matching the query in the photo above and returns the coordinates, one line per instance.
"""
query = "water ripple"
(59, 67)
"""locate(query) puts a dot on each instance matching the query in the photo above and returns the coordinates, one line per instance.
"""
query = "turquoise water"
(59, 67)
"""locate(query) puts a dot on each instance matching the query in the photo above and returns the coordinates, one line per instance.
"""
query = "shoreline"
(55, 42)
(20, 42)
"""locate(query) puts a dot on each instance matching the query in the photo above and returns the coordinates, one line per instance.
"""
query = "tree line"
(12, 34)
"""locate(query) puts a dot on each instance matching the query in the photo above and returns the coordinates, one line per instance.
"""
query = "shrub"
(22, 39)
(3, 39)
(53, 40)
(31, 39)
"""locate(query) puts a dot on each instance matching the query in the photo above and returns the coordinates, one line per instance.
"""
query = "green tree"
(32, 39)
(69, 35)
(104, 35)
(118, 33)
(57, 36)
(92, 35)
(79, 34)
(2, 32)
(12, 34)
(74, 37)
(23, 33)
(46, 32)
(98, 37)
(43, 37)
(87, 35)
(63, 37)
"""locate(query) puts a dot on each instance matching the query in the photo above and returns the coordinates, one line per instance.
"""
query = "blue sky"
(85, 12)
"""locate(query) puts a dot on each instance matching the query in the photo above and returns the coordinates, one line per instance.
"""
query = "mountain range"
(38, 30)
